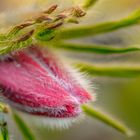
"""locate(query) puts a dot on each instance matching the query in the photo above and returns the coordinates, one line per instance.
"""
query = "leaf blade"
(27, 134)
(109, 71)
(94, 48)
(94, 113)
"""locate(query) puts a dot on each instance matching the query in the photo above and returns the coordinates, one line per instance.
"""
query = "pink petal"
(36, 81)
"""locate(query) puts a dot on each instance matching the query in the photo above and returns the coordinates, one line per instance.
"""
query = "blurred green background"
(119, 97)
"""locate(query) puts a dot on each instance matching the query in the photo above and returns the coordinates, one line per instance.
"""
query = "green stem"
(27, 134)
(90, 111)
(94, 48)
(109, 71)
(92, 30)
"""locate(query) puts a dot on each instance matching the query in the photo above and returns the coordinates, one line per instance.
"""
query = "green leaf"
(89, 3)
(94, 113)
(26, 132)
(94, 48)
(92, 30)
(109, 71)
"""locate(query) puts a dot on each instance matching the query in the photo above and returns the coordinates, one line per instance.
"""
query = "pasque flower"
(34, 79)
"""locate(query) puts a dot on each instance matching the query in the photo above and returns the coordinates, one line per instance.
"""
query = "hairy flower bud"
(35, 80)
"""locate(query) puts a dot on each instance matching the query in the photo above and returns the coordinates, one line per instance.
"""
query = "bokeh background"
(119, 97)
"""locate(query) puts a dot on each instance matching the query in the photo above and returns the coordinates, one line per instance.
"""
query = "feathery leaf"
(92, 30)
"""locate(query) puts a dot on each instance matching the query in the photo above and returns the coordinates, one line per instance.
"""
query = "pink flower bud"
(35, 80)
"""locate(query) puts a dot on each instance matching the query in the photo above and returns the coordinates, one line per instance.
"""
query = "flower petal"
(36, 81)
